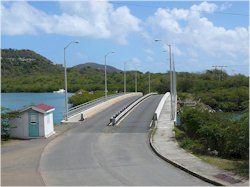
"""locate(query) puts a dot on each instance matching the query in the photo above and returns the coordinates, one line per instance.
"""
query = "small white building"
(33, 122)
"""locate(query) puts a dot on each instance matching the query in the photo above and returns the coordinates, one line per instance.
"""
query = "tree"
(6, 116)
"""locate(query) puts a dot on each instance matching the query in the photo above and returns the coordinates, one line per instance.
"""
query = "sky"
(202, 34)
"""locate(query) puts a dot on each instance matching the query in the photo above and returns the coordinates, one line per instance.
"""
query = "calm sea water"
(15, 101)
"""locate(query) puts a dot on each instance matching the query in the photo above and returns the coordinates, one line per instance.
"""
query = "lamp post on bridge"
(171, 76)
(136, 80)
(149, 81)
(125, 77)
(65, 80)
(106, 89)
(174, 90)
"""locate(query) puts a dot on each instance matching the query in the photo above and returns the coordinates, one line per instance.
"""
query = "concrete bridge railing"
(89, 110)
(159, 109)
(74, 110)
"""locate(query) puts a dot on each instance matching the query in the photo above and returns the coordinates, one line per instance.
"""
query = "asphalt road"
(94, 154)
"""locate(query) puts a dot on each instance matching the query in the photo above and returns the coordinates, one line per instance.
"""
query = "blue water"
(15, 101)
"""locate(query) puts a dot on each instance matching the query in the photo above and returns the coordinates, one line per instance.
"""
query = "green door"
(33, 124)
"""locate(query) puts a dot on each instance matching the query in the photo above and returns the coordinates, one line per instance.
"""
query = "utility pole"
(220, 76)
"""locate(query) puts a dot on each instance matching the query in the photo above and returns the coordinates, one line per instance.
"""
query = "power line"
(154, 6)
(239, 65)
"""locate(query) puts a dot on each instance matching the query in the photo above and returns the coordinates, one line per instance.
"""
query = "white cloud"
(22, 18)
(98, 19)
(165, 20)
(122, 22)
(179, 13)
(225, 6)
(187, 28)
(204, 7)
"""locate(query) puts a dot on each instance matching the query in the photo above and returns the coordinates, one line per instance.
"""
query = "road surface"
(94, 154)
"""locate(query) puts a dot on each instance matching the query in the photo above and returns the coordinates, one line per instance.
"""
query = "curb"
(180, 166)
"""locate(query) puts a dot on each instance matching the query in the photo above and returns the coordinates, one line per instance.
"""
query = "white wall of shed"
(48, 124)
(20, 126)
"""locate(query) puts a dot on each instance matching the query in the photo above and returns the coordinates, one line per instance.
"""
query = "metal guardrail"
(79, 108)
(114, 119)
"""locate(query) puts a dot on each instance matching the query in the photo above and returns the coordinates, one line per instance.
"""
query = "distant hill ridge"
(110, 69)
(22, 55)
(27, 71)
(24, 61)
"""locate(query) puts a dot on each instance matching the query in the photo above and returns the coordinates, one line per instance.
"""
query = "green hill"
(88, 65)
(26, 62)
(27, 71)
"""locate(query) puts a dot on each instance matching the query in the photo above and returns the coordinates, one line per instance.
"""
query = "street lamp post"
(135, 80)
(125, 79)
(65, 80)
(170, 72)
(149, 89)
(174, 90)
(106, 89)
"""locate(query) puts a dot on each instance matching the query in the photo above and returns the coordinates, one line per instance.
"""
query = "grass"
(7, 141)
(3, 141)
(153, 133)
(240, 167)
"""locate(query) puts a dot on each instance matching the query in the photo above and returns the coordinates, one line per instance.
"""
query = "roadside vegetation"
(6, 116)
(216, 138)
(203, 132)
(215, 135)
(238, 166)
(217, 128)
(83, 97)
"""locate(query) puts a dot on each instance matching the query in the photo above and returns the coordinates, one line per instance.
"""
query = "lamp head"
(157, 40)
(76, 42)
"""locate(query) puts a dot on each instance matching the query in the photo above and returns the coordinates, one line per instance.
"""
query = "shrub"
(84, 97)
(6, 115)
(215, 131)
(192, 145)
(192, 120)
(179, 134)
